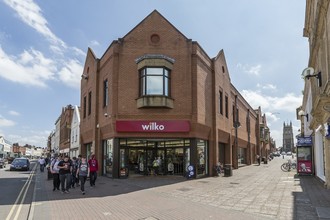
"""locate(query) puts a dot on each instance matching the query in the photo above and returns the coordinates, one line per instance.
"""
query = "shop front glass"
(154, 157)
(88, 150)
(241, 156)
(108, 157)
(202, 158)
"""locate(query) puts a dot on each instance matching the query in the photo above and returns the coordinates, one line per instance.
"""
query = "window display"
(201, 157)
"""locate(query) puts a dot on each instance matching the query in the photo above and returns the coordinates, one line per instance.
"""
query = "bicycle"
(286, 167)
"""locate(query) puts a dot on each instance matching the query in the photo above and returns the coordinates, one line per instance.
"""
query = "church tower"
(288, 143)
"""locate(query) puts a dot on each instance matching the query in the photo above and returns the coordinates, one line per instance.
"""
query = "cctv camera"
(84, 76)
(105, 114)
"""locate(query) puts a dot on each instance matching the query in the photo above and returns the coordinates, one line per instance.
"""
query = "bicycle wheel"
(285, 167)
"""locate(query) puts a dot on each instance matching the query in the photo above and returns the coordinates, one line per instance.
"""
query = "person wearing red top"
(94, 167)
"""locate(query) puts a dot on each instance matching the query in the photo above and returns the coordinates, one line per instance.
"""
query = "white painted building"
(57, 136)
(318, 143)
(5, 147)
(75, 133)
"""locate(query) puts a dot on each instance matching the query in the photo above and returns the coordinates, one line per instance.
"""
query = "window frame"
(165, 78)
(226, 106)
(105, 93)
(221, 102)
(90, 103)
(85, 106)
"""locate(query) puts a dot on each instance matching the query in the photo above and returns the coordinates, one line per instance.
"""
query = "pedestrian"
(42, 164)
(55, 171)
(78, 162)
(65, 174)
(74, 172)
(94, 167)
(218, 168)
(155, 165)
(46, 161)
(83, 171)
(258, 159)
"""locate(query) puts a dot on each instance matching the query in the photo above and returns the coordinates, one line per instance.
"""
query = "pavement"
(253, 192)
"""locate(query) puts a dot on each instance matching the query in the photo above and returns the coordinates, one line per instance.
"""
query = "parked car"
(2, 163)
(289, 153)
(276, 154)
(20, 164)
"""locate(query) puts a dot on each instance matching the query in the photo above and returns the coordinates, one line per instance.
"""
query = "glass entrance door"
(175, 161)
(136, 161)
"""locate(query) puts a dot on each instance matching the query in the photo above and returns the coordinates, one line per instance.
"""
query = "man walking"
(42, 164)
(65, 167)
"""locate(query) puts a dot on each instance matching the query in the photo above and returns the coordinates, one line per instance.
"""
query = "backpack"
(55, 166)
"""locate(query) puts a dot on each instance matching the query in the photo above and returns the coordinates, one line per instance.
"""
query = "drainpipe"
(236, 125)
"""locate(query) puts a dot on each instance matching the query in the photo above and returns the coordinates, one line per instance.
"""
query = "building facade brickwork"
(156, 95)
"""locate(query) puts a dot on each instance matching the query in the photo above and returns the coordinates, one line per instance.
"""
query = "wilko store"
(155, 104)
(159, 156)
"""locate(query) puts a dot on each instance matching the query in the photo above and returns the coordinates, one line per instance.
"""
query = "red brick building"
(65, 129)
(156, 94)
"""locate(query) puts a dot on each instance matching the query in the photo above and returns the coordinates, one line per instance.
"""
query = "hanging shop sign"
(153, 126)
(304, 141)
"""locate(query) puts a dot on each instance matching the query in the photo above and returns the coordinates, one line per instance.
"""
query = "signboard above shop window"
(153, 126)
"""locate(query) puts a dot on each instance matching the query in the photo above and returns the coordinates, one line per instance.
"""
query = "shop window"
(108, 157)
(201, 158)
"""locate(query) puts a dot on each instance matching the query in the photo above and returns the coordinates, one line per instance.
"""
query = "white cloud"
(252, 70)
(288, 103)
(30, 13)
(5, 122)
(32, 67)
(14, 113)
(272, 116)
(28, 68)
(94, 43)
(267, 86)
(36, 138)
(70, 74)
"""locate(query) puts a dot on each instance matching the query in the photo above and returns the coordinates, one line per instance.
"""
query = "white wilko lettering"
(153, 126)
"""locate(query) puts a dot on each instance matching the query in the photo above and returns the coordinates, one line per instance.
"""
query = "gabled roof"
(155, 12)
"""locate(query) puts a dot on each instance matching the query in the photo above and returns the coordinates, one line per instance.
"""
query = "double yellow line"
(21, 197)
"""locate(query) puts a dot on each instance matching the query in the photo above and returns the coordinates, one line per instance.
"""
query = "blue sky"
(43, 44)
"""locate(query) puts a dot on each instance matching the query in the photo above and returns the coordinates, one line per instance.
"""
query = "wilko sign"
(153, 126)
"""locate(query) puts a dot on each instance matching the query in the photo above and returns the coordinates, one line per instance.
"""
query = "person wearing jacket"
(94, 167)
